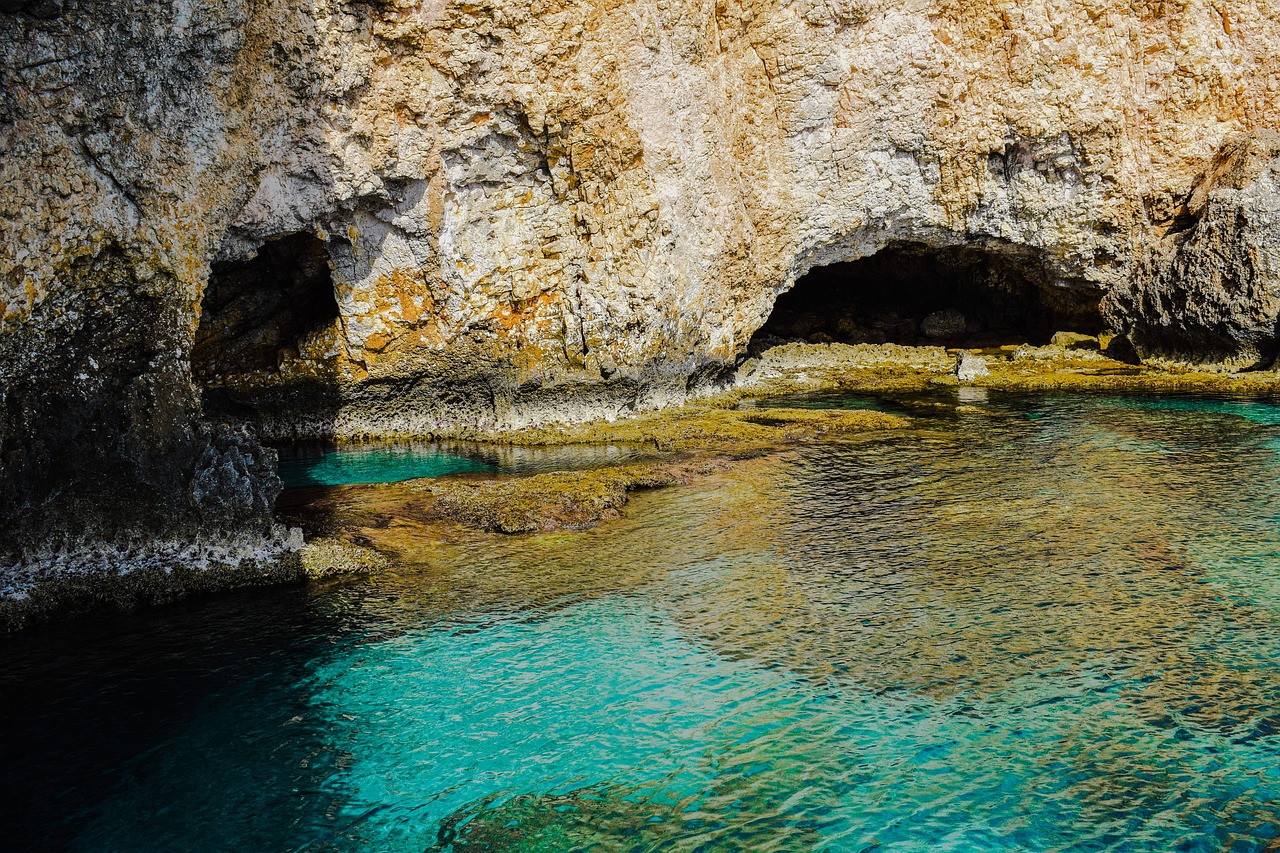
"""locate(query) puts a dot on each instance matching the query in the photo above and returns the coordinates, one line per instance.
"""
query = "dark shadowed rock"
(1211, 292)
(948, 323)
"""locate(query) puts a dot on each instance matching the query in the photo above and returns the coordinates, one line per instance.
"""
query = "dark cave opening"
(914, 294)
(256, 314)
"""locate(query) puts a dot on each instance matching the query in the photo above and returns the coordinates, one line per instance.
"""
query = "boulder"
(1209, 291)
(969, 366)
(1074, 340)
(948, 323)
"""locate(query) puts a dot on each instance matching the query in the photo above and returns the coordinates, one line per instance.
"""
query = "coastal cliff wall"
(333, 218)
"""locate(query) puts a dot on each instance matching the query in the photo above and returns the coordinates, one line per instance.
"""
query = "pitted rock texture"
(569, 208)
(1210, 290)
(131, 135)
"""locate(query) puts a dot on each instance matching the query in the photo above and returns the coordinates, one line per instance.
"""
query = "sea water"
(1030, 623)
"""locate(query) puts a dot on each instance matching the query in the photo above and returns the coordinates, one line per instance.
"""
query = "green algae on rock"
(560, 501)
(709, 436)
(702, 438)
(712, 425)
(327, 557)
(798, 366)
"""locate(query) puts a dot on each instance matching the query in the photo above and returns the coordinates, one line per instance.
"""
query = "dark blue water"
(1039, 623)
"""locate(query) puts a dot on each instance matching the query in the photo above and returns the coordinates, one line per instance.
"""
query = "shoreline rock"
(689, 441)
(350, 219)
(100, 580)
(970, 367)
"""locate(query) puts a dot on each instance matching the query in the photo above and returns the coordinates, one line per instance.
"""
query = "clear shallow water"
(338, 466)
(308, 465)
(1034, 624)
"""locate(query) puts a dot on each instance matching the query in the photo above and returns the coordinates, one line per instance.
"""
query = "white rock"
(969, 366)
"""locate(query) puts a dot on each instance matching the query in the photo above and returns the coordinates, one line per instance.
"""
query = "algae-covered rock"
(1074, 340)
(702, 437)
(891, 369)
(703, 426)
(565, 500)
(326, 557)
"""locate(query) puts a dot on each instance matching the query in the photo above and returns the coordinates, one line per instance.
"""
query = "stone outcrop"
(561, 209)
(131, 136)
(1209, 289)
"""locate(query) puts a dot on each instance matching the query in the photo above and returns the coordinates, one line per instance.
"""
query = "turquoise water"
(1037, 624)
(1259, 412)
(311, 465)
(375, 464)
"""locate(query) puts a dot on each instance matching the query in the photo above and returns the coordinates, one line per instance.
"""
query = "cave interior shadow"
(969, 295)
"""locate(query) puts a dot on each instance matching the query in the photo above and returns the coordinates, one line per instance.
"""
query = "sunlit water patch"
(1036, 623)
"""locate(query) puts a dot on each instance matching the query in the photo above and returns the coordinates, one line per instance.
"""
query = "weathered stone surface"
(1074, 340)
(552, 210)
(131, 135)
(1210, 290)
(969, 366)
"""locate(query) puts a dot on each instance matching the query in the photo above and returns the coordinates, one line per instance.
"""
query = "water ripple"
(1035, 624)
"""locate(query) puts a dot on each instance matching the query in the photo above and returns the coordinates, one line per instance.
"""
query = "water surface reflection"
(1032, 623)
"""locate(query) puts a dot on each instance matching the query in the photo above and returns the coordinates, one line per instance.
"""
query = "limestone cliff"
(347, 218)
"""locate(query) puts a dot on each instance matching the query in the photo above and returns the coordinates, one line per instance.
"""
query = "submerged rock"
(325, 557)
(613, 818)
(559, 501)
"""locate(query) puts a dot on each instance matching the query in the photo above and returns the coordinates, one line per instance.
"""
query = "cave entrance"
(259, 313)
(914, 294)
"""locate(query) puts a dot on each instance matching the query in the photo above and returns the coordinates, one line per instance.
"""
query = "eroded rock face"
(569, 208)
(1209, 290)
(132, 133)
